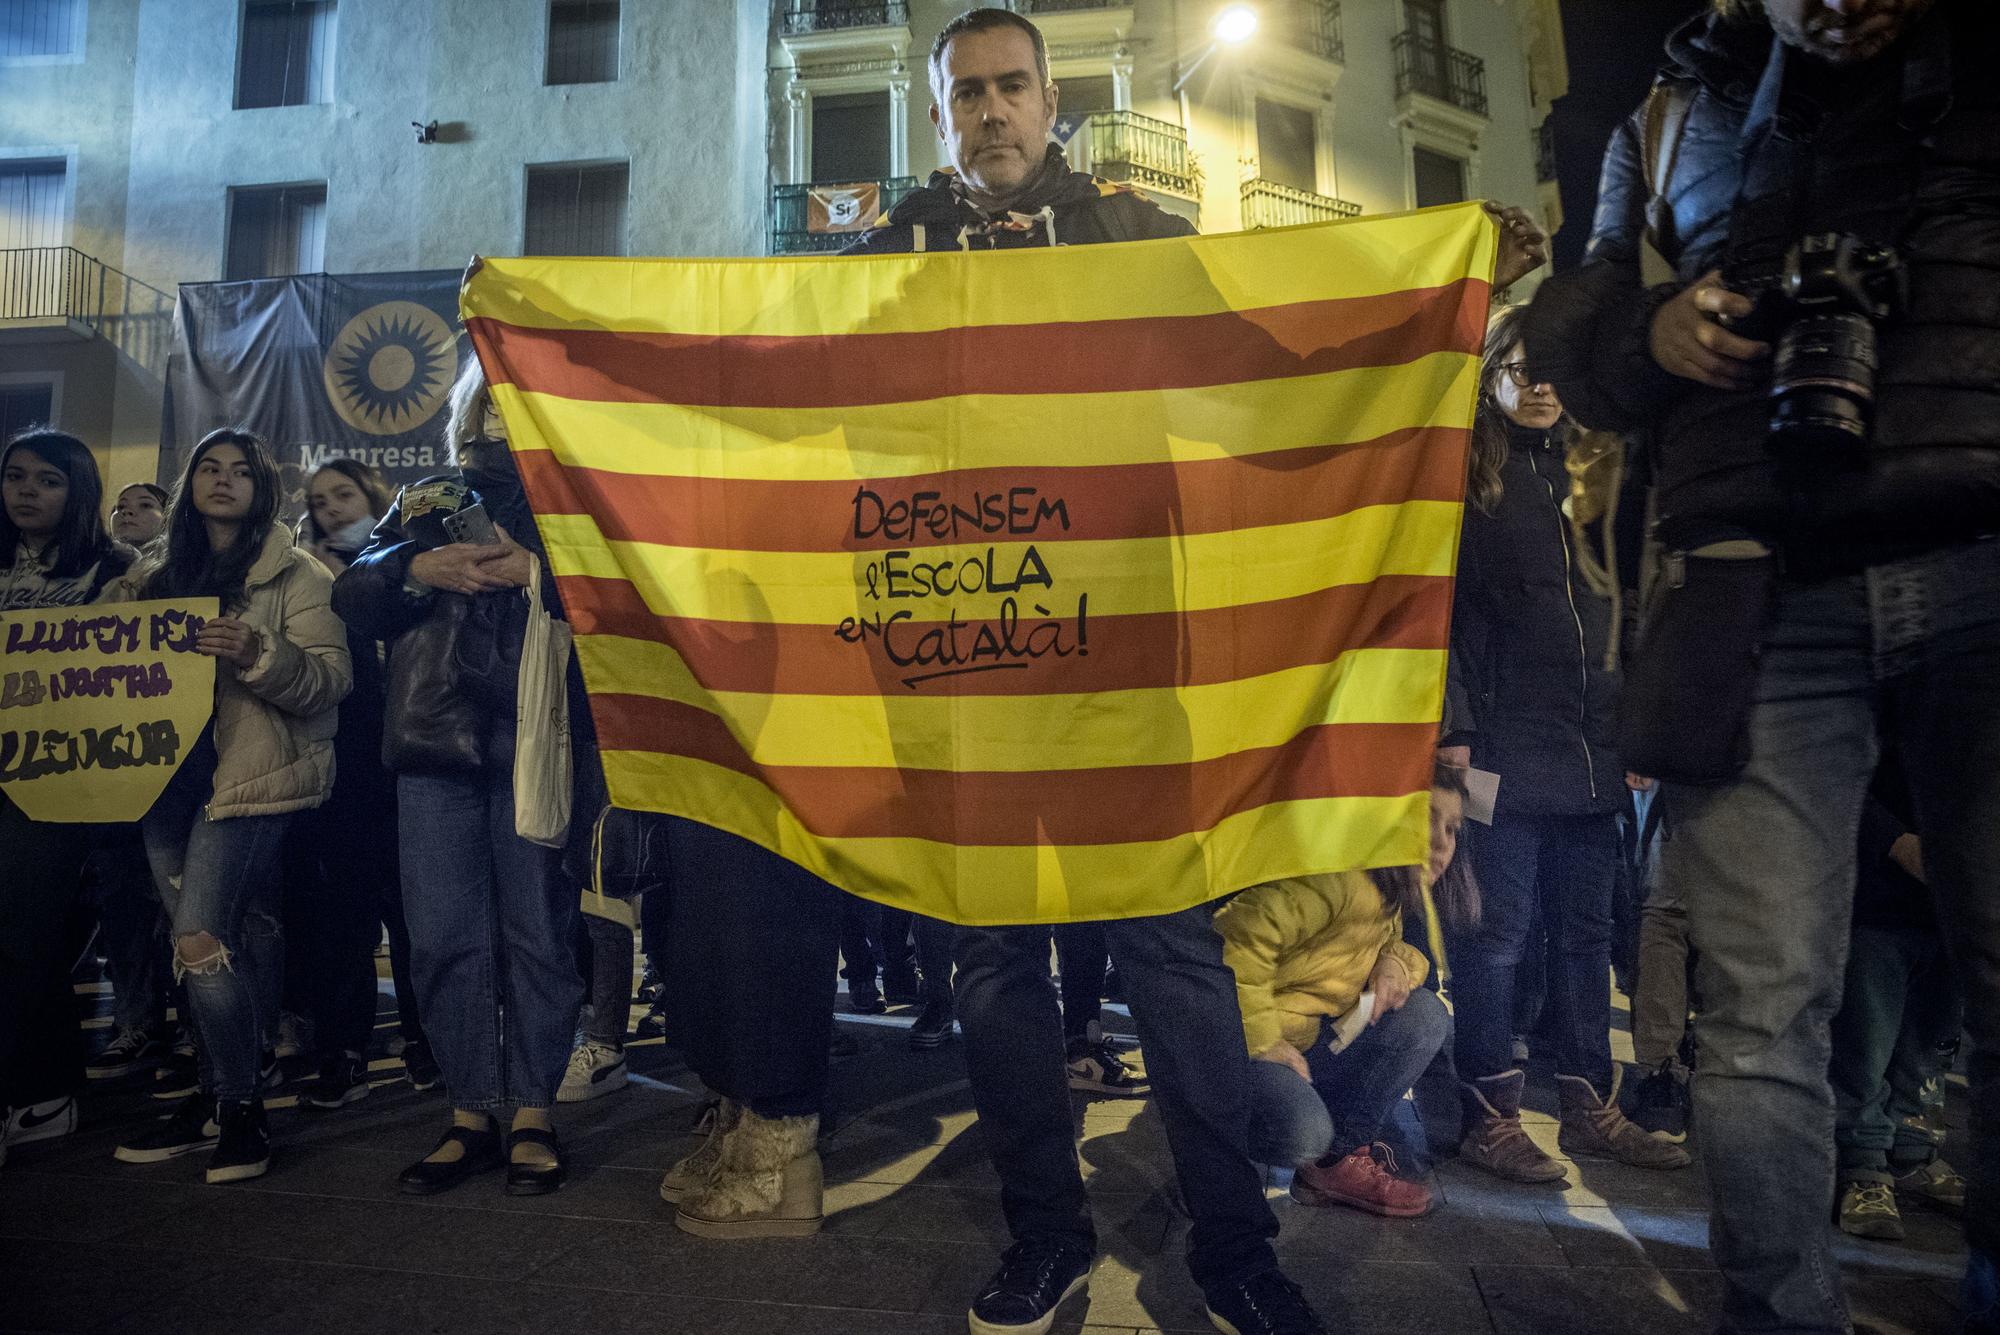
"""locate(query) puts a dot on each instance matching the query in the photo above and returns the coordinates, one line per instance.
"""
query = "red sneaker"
(1365, 1182)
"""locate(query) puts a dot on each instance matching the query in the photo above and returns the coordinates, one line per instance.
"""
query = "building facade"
(147, 143)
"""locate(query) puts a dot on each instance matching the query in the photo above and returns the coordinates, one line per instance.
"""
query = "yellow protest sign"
(98, 705)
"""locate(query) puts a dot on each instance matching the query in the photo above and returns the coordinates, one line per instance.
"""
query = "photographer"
(1829, 484)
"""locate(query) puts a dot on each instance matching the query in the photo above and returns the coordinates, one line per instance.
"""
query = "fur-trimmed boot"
(768, 1182)
(1494, 1138)
(1594, 1128)
(699, 1169)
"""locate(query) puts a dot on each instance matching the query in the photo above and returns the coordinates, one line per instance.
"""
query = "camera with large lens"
(1820, 303)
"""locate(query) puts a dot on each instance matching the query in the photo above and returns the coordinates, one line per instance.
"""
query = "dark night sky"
(1614, 47)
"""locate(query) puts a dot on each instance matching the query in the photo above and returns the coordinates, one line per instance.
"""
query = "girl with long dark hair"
(213, 836)
(54, 552)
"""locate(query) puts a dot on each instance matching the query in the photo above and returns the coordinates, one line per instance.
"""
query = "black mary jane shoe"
(482, 1151)
(534, 1179)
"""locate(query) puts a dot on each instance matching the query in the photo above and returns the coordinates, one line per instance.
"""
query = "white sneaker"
(41, 1121)
(595, 1069)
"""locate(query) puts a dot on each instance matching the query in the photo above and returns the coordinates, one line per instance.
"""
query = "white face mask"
(353, 537)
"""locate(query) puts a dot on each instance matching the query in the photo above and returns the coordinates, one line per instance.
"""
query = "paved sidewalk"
(325, 1244)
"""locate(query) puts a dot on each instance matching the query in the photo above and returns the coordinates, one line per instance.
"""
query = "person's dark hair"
(188, 569)
(1456, 893)
(1483, 485)
(80, 540)
(984, 20)
(369, 479)
(159, 493)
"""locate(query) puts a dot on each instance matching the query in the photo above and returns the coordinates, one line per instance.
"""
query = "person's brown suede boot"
(1494, 1138)
(1594, 1128)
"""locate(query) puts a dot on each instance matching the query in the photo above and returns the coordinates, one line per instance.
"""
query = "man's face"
(1842, 32)
(997, 113)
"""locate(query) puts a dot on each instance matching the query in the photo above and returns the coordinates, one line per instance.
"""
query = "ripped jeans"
(219, 882)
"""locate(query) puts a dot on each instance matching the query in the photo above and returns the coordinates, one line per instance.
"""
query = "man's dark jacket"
(1060, 208)
(1528, 688)
(1903, 149)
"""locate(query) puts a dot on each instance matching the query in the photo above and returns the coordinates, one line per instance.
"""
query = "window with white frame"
(34, 203)
(25, 402)
(285, 55)
(850, 136)
(276, 230)
(40, 29)
(576, 209)
(1439, 177)
(583, 42)
(1082, 94)
(1287, 145)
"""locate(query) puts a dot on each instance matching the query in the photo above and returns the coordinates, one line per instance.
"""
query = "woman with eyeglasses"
(1531, 697)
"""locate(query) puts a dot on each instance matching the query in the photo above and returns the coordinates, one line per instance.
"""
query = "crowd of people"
(1813, 670)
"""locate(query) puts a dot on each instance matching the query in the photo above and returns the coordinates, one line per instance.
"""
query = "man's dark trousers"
(1183, 1000)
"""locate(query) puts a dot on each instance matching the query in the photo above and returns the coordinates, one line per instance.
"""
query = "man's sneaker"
(1935, 1183)
(934, 1027)
(595, 1069)
(243, 1149)
(270, 1073)
(1659, 1104)
(341, 1080)
(126, 1053)
(1035, 1277)
(651, 985)
(1868, 1208)
(1364, 1181)
(1094, 1067)
(190, 1127)
(1266, 1303)
(294, 1035)
(653, 1024)
(176, 1077)
(41, 1121)
(420, 1065)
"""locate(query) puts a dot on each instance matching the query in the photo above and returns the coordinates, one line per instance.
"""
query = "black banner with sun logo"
(323, 366)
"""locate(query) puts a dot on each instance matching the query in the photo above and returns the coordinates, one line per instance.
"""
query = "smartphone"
(472, 524)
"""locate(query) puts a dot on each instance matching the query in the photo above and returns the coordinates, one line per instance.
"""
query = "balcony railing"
(1440, 71)
(1153, 152)
(1066, 6)
(1545, 151)
(1314, 25)
(52, 283)
(1270, 204)
(796, 17)
(793, 229)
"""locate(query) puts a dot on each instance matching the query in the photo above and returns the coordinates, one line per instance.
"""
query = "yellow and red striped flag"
(1020, 586)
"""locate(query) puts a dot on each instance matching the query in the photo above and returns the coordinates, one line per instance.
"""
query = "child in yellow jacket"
(1307, 952)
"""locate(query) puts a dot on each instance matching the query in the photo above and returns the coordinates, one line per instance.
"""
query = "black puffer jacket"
(1838, 160)
(1063, 207)
(1528, 689)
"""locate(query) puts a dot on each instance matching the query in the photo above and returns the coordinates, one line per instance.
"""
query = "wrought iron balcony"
(797, 17)
(1312, 24)
(1066, 6)
(1151, 152)
(797, 228)
(60, 292)
(1545, 151)
(1270, 204)
(1440, 71)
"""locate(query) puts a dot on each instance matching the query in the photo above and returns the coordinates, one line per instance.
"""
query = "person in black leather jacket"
(491, 915)
(1774, 121)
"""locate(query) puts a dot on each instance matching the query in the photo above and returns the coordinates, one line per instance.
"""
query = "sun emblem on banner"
(391, 367)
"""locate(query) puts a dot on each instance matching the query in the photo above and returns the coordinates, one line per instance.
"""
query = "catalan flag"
(1019, 586)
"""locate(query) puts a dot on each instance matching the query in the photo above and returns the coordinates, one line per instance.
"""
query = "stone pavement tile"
(1600, 1300)
(831, 1269)
(908, 1144)
(444, 1240)
(1630, 1235)
(58, 1207)
(1891, 1305)
(972, 1214)
(54, 1286)
(1456, 1233)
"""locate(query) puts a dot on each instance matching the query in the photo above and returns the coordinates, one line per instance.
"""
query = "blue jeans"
(1183, 1000)
(492, 925)
(1898, 1006)
(1352, 1091)
(1568, 865)
(1909, 653)
(219, 878)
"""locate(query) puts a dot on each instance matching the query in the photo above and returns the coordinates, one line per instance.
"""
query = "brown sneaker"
(768, 1182)
(699, 1169)
(1594, 1128)
(1365, 1182)
(1494, 1138)
(1868, 1208)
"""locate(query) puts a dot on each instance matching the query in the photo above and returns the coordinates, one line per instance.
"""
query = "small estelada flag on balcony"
(1065, 584)
(843, 208)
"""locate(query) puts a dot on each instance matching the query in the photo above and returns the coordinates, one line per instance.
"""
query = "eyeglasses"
(1518, 373)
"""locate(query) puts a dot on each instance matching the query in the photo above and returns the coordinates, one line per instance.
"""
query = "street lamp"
(1234, 25)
